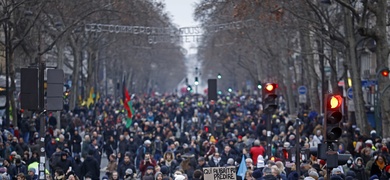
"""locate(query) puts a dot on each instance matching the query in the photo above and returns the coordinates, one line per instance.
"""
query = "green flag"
(129, 120)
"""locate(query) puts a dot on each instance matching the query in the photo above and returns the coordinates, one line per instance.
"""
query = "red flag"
(126, 100)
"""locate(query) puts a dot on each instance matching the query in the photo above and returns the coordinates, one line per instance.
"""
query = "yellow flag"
(90, 98)
(97, 96)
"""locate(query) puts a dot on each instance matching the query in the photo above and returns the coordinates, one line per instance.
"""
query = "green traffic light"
(259, 86)
(219, 76)
(230, 90)
(219, 92)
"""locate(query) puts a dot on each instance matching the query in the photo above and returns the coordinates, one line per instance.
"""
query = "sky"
(181, 11)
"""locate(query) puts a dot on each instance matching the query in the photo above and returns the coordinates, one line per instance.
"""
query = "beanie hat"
(313, 174)
(322, 162)
(164, 170)
(351, 174)
(257, 173)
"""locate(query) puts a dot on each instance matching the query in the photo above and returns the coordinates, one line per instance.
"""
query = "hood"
(356, 160)
(155, 176)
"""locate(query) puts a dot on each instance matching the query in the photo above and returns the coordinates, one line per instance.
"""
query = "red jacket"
(255, 152)
(144, 165)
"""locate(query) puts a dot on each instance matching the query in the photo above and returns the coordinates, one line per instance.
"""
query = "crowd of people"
(172, 137)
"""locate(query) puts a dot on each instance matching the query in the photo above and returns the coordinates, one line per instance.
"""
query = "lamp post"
(378, 121)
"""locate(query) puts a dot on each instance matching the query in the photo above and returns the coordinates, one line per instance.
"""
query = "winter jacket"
(90, 167)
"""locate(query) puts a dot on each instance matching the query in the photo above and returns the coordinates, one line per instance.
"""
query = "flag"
(242, 169)
(90, 98)
(129, 119)
(128, 105)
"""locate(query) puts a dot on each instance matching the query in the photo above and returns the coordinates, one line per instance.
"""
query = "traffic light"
(333, 117)
(269, 97)
(385, 73)
(189, 88)
(196, 81)
(259, 86)
(219, 76)
(230, 90)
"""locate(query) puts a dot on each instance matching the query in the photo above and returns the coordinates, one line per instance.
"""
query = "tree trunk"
(75, 74)
(360, 113)
(313, 82)
(382, 52)
(12, 88)
(289, 89)
(90, 70)
(60, 47)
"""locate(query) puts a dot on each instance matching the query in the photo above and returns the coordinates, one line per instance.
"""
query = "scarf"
(381, 165)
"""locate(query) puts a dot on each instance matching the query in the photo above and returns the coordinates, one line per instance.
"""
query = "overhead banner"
(170, 31)
(220, 173)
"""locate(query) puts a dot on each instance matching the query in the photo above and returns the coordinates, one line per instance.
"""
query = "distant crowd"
(175, 138)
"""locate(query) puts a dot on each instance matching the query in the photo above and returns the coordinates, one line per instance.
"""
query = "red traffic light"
(334, 101)
(385, 73)
(270, 87)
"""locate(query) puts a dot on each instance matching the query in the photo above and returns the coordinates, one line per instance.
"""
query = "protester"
(175, 137)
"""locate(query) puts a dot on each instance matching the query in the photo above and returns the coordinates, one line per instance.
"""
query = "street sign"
(302, 90)
(302, 98)
(350, 93)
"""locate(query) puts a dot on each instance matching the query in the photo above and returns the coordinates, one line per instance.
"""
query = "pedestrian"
(90, 167)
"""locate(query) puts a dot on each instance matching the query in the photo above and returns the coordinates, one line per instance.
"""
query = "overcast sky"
(181, 11)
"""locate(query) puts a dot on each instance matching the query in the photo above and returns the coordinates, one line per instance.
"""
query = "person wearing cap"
(337, 172)
(31, 174)
(20, 167)
(149, 173)
(202, 163)
(129, 175)
(141, 151)
(256, 150)
(148, 161)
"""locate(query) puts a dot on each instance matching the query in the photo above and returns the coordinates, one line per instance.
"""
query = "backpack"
(140, 149)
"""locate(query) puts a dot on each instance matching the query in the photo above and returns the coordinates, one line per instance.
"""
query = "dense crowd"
(174, 137)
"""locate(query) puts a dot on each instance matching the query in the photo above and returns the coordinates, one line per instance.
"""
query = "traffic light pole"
(298, 123)
(377, 110)
(41, 100)
(269, 138)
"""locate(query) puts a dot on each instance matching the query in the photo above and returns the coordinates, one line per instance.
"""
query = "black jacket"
(90, 167)
(76, 143)
(122, 167)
